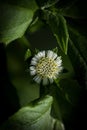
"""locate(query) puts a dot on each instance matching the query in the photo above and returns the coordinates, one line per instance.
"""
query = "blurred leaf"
(65, 4)
(79, 63)
(68, 71)
(15, 53)
(29, 4)
(77, 51)
(35, 116)
(46, 3)
(19, 75)
(27, 90)
(15, 18)
(58, 26)
(72, 12)
(71, 90)
(80, 42)
(77, 9)
(66, 98)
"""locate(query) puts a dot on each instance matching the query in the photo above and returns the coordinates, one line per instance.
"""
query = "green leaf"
(72, 12)
(65, 4)
(80, 42)
(18, 71)
(29, 4)
(46, 3)
(77, 51)
(15, 18)
(35, 116)
(26, 89)
(66, 98)
(71, 90)
(58, 26)
(58, 125)
(79, 63)
(35, 26)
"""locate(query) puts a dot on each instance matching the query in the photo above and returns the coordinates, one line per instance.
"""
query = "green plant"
(30, 26)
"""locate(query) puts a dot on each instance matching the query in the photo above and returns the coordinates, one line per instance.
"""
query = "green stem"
(44, 90)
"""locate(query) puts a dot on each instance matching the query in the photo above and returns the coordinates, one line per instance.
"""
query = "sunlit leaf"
(15, 18)
(35, 116)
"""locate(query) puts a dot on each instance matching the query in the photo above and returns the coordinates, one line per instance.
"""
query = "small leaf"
(55, 50)
(27, 54)
(58, 26)
(35, 116)
(14, 20)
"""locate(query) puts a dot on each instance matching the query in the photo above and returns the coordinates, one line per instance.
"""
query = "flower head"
(45, 67)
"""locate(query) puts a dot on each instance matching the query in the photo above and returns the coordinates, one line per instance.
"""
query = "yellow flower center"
(46, 67)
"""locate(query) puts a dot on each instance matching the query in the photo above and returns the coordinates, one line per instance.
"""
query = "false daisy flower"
(45, 67)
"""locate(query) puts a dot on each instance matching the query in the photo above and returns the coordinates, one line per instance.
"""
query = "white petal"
(45, 81)
(32, 68)
(58, 71)
(33, 72)
(55, 76)
(33, 62)
(60, 68)
(51, 80)
(34, 59)
(37, 79)
(41, 54)
(37, 57)
(49, 54)
(59, 61)
(54, 56)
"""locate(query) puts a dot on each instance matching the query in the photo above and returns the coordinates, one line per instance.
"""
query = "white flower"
(45, 67)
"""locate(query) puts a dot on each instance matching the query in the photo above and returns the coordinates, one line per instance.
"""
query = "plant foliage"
(26, 27)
